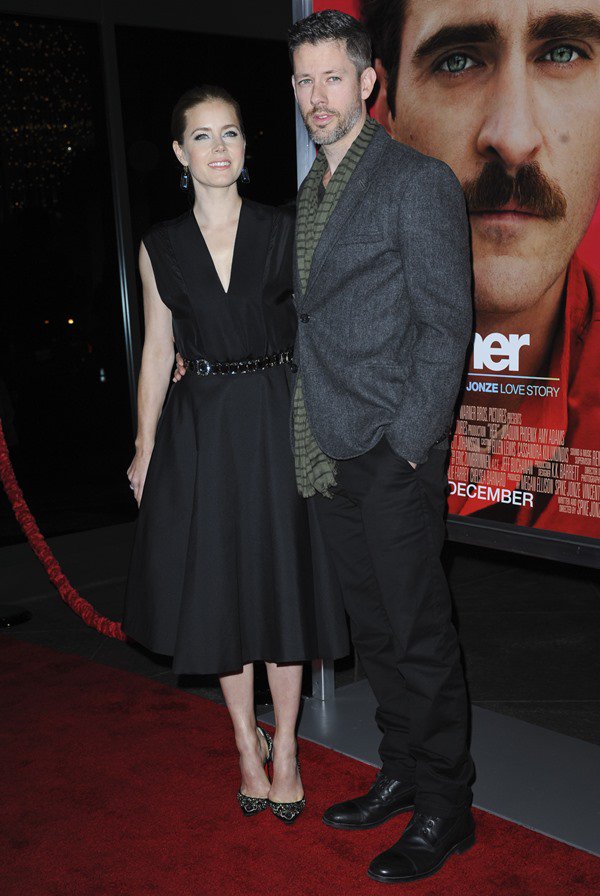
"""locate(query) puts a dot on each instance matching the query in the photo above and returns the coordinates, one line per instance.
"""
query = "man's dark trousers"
(385, 528)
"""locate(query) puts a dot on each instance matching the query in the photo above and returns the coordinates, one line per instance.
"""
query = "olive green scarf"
(315, 471)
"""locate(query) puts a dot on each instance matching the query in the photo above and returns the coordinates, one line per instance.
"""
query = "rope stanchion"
(30, 529)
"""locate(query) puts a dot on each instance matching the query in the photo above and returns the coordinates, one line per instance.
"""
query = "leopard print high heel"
(252, 805)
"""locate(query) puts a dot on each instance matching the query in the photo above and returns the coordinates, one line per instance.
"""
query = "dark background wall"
(86, 167)
(268, 19)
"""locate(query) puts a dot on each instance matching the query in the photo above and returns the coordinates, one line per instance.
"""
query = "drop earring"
(245, 176)
(184, 180)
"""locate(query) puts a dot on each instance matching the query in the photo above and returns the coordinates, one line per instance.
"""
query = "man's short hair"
(333, 25)
(384, 20)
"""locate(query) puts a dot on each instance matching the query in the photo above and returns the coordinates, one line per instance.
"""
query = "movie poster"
(513, 107)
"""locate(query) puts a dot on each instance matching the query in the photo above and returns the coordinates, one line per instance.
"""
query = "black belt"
(203, 367)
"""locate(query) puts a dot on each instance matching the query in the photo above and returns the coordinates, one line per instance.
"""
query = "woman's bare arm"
(157, 364)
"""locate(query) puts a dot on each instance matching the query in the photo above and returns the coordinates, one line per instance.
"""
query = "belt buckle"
(203, 367)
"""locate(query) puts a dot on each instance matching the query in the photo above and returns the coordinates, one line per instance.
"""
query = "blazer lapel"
(346, 208)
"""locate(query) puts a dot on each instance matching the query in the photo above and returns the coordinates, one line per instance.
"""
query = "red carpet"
(115, 786)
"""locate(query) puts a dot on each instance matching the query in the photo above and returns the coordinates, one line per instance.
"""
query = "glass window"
(63, 385)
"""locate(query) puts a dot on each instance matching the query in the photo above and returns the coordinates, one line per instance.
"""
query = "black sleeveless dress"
(225, 569)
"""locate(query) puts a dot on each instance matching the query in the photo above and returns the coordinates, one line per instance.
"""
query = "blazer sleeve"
(435, 247)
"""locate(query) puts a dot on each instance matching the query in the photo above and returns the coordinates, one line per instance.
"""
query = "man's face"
(515, 83)
(328, 90)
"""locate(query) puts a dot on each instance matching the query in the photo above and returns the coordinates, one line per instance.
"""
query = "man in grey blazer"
(383, 293)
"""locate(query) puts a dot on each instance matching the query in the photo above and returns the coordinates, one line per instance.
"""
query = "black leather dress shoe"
(385, 799)
(424, 847)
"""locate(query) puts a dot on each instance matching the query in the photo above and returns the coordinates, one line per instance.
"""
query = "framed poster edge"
(557, 546)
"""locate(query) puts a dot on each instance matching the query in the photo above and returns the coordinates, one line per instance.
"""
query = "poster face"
(508, 95)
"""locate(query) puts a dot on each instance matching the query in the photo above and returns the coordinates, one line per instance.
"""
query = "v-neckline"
(227, 291)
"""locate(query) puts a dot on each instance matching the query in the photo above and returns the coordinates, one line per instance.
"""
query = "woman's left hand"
(180, 370)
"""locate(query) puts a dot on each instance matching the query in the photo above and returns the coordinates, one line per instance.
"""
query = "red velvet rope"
(35, 538)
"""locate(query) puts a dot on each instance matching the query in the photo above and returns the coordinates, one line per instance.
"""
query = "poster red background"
(541, 455)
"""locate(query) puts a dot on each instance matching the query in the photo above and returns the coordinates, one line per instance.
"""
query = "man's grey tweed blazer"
(385, 320)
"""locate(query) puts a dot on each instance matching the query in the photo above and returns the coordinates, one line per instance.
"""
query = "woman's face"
(213, 146)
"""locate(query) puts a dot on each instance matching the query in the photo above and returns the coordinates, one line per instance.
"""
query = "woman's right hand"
(157, 363)
(136, 473)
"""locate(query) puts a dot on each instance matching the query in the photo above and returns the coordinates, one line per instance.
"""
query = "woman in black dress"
(225, 569)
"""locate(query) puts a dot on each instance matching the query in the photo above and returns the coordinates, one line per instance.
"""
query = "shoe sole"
(461, 847)
(365, 827)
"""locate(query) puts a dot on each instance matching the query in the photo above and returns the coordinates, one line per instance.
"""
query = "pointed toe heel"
(287, 812)
(251, 805)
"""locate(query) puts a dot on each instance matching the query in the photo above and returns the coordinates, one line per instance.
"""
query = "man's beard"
(344, 126)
